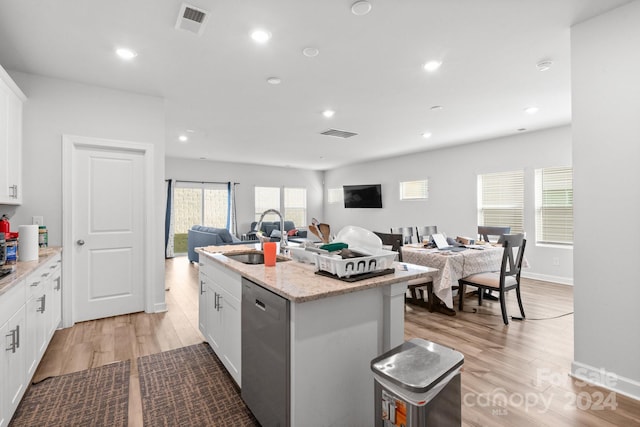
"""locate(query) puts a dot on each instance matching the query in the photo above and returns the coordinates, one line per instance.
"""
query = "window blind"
(554, 205)
(414, 190)
(501, 200)
(295, 205)
(335, 195)
(267, 198)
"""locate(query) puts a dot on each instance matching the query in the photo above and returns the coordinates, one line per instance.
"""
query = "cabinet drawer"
(228, 280)
(11, 301)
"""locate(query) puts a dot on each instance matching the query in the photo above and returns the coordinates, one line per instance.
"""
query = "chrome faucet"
(283, 234)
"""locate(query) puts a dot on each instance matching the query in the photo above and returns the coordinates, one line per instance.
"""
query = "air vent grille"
(194, 15)
(191, 19)
(338, 133)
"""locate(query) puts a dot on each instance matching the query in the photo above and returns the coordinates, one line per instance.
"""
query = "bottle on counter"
(43, 236)
(12, 251)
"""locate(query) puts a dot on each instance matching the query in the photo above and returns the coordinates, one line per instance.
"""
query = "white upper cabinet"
(11, 100)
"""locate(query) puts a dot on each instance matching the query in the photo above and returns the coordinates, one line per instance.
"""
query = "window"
(335, 195)
(267, 198)
(198, 204)
(554, 205)
(501, 200)
(414, 190)
(292, 202)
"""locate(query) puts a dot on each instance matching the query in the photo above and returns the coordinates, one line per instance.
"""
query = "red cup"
(269, 254)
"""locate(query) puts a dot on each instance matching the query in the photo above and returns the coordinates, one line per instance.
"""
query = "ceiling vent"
(338, 133)
(192, 19)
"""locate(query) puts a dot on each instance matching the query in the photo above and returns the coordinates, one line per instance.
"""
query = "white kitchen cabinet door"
(13, 366)
(215, 331)
(11, 99)
(55, 306)
(232, 330)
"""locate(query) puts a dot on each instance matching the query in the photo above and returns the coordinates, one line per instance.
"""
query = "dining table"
(452, 266)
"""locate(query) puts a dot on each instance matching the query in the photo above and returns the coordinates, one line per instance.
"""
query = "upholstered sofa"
(200, 236)
(272, 230)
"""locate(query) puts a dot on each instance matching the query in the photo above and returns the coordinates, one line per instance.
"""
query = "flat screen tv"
(362, 196)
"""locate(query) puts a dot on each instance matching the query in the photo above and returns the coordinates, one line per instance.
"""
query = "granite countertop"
(298, 282)
(22, 269)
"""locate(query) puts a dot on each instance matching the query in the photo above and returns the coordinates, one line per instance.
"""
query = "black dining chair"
(426, 232)
(407, 233)
(416, 287)
(507, 279)
(485, 232)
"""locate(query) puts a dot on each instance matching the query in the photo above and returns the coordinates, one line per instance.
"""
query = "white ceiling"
(369, 70)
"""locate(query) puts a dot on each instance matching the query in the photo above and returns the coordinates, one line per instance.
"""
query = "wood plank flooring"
(514, 375)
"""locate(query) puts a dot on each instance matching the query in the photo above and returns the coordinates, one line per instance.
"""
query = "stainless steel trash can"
(418, 384)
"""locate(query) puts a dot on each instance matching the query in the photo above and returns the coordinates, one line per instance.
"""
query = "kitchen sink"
(253, 257)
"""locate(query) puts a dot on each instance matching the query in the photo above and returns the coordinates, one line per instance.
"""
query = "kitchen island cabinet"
(336, 329)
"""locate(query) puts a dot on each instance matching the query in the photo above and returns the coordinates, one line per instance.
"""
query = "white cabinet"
(30, 311)
(219, 313)
(12, 358)
(11, 100)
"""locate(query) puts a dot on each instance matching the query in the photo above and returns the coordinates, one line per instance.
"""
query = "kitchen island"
(335, 329)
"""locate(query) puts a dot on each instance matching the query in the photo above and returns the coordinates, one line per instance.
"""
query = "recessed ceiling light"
(426, 135)
(328, 113)
(544, 65)
(183, 138)
(531, 110)
(261, 36)
(432, 66)
(310, 52)
(361, 8)
(125, 53)
(274, 80)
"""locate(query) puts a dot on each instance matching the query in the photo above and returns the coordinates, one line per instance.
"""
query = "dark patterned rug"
(189, 386)
(95, 397)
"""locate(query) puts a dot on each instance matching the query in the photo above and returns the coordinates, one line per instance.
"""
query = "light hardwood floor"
(514, 375)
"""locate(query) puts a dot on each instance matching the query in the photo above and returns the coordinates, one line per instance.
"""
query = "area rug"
(189, 386)
(94, 397)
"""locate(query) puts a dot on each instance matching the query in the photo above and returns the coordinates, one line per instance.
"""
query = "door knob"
(80, 242)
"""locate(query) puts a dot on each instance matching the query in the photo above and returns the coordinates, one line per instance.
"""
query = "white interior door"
(108, 208)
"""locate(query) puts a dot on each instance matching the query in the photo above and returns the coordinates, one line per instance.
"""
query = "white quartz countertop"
(298, 282)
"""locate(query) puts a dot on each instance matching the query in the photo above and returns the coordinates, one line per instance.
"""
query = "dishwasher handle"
(261, 305)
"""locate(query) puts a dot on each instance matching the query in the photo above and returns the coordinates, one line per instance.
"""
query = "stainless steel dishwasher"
(265, 354)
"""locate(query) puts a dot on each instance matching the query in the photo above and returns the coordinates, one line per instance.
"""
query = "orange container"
(269, 254)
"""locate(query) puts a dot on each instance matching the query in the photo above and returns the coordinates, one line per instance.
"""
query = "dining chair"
(393, 240)
(407, 233)
(426, 232)
(484, 231)
(508, 278)
(416, 287)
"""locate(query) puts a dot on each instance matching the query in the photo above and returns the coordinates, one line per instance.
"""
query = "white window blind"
(554, 205)
(501, 200)
(267, 198)
(295, 205)
(335, 195)
(414, 190)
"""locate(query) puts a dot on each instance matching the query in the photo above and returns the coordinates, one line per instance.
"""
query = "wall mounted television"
(362, 196)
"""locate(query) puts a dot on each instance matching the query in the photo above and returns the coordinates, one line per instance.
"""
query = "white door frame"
(69, 143)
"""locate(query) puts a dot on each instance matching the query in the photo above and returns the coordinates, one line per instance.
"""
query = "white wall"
(250, 176)
(55, 107)
(606, 152)
(452, 204)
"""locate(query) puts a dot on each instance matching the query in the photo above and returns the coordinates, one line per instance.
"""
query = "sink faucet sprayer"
(283, 234)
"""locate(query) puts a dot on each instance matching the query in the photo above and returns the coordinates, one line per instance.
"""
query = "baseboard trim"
(604, 379)
(160, 307)
(548, 278)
